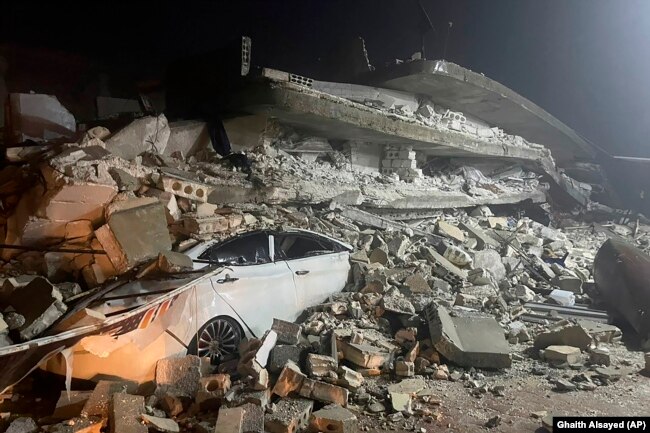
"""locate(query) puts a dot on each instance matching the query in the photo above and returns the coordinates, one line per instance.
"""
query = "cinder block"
(230, 420)
(126, 413)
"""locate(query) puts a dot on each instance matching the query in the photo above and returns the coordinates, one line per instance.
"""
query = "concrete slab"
(469, 340)
(460, 89)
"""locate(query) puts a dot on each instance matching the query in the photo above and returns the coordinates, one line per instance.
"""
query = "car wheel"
(218, 339)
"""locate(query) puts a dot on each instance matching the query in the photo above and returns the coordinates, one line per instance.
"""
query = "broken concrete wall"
(40, 118)
(365, 157)
(146, 134)
(247, 132)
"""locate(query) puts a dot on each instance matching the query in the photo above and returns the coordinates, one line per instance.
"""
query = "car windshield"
(250, 249)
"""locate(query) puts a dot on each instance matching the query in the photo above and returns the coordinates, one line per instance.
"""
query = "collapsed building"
(463, 203)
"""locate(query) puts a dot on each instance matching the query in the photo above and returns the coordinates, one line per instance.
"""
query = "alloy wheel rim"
(217, 340)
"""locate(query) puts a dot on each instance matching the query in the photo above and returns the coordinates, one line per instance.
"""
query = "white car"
(251, 279)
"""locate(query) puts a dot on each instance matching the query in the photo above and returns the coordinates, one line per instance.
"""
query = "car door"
(319, 266)
(255, 287)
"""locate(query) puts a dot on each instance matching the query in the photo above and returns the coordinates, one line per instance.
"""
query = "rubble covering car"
(261, 275)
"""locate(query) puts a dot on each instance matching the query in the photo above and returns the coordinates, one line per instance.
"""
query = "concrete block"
(402, 393)
(568, 354)
(349, 378)
(99, 401)
(187, 188)
(321, 365)
(253, 418)
(281, 354)
(569, 283)
(364, 355)
(287, 332)
(39, 117)
(569, 335)
(404, 368)
(207, 225)
(290, 415)
(323, 391)
(171, 262)
(125, 181)
(186, 138)
(483, 239)
(468, 340)
(171, 404)
(451, 231)
(180, 375)
(333, 419)
(82, 229)
(458, 256)
(230, 420)
(125, 414)
(268, 343)
(40, 303)
(212, 389)
(145, 134)
(600, 357)
(144, 217)
(290, 380)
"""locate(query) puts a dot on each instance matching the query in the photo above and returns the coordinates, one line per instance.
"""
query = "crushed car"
(236, 289)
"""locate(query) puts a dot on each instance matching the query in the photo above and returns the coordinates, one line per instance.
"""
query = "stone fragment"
(569, 283)
(179, 375)
(324, 392)
(457, 256)
(230, 420)
(288, 333)
(40, 304)
(564, 385)
(172, 262)
(81, 229)
(468, 340)
(568, 354)
(333, 419)
(349, 378)
(290, 415)
(125, 414)
(124, 180)
(398, 245)
(479, 277)
(23, 425)
(564, 335)
(212, 389)
(268, 343)
(646, 358)
(448, 230)
(99, 401)
(164, 425)
(172, 405)
(498, 222)
(483, 240)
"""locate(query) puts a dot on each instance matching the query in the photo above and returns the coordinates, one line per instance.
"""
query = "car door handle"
(302, 272)
(227, 280)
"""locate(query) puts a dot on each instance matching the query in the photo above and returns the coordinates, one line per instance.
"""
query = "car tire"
(217, 339)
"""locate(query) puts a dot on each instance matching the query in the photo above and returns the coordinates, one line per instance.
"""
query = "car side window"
(295, 246)
(243, 250)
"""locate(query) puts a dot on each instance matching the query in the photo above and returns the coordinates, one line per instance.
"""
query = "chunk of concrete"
(145, 134)
(39, 118)
(349, 378)
(136, 231)
(212, 390)
(378, 255)
(180, 375)
(290, 415)
(23, 425)
(164, 425)
(333, 419)
(40, 303)
(417, 284)
(321, 365)
(467, 339)
(99, 401)
(70, 404)
(457, 256)
(404, 368)
(450, 231)
(564, 335)
(402, 393)
(568, 354)
(230, 420)
(490, 260)
(287, 332)
(600, 356)
(125, 414)
(82, 229)
(253, 418)
(569, 283)
(364, 355)
(172, 262)
(483, 240)
(324, 392)
(186, 138)
(281, 354)
(171, 404)
(268, 343)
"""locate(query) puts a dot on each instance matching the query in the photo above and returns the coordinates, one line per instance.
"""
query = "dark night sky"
(585, 61)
